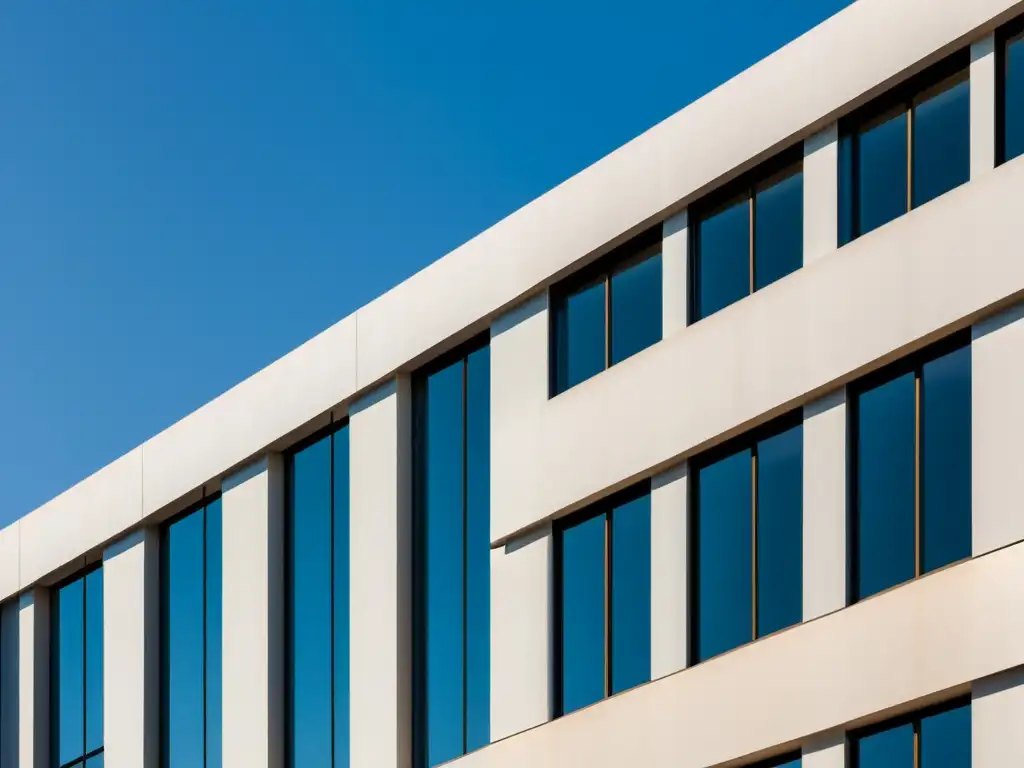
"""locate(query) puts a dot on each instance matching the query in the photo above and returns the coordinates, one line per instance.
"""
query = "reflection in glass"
(94, 661)
(886, 435)
(635, 298)
(946, 460)
(723, 258)
(70, 671)
(946, 739)
(631, 594)
(882, 171)
(778, 230)
(583, 622)
(892, 748)
(579, 336)
(1013, 98)
(942, 145)
(724, 541)
(780, 531)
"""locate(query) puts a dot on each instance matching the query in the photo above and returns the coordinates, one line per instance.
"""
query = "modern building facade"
(710, 456)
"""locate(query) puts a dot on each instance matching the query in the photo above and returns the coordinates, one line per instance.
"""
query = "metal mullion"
(752, 240)
(753, 541)
(917, 473)
(607, 321)
(917, 743)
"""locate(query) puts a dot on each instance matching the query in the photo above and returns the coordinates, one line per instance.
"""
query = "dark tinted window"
(631, 594)
(723, 258)
(882, 169)
(579, 336)
(942, 140)
(635, 308)
(778, 230)
(1012, 96)
(935, 738)
(583, 624)
(946, 739)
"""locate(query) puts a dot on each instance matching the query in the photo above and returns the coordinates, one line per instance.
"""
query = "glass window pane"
(214, 590)
(635, 322)
(946, 460)
(942, 142)
(94, 661)
(96, 761)
(444, 586)
(310, 559)
(478, 552)
(886, 435)
(724, 544)
(631, 594)
(71, 671)
(1013, 98)
(184, 655)
(847, 228)
(341, 598)
(893, 748)
(882, 170)
(946, 739)
(780, 531)
(723, 259)
(583, 618)
(778, 230)
(579, 337)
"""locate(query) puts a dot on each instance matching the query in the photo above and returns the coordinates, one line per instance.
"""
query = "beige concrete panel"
(82, 518)
(34, 679)
(825, 499)
(246, 419)
(521, 633)
(997, 711)
(784, 98)
(883, 295)
(670, 596)
(675, 269)
(519, 392)
(10, 560)
(253, 622)
(983, 105)
(821, 193)
(380, 566)
(131, 650)
(825, 750)
(997, 422)
(894, 651)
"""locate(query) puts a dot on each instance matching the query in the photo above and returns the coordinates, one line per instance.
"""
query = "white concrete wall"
(825, 501)
(9, 662)
(34, 679)
(983, 105)
(957, 625)
(675, 270)
(997, 423)
(670, 520)
(825, 750)
(253, 616)
(821, 194)
(997, 711)
(381, 581)
(131, 650)
(521, 633)
(519, 393)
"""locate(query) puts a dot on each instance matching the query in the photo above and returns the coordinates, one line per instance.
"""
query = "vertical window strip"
(915, 721)
(464, 364)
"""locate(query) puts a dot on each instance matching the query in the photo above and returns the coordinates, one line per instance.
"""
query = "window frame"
(747, 440)
(605, 506)
(777, 169)
(913, 718)
(913, 363)
(54, 608)
(1005, 36)
(902, 99)
(639, 248)
(417, 634)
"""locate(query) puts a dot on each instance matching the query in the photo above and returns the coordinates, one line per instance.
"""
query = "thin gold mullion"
(750, 277)
(917, 474)
(917, 744)
(753, 542)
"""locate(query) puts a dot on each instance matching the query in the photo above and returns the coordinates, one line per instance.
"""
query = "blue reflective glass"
(780, 531)
(443, 523)
(184, 655)
(94, 661)
(942, 142)
(723, 258)
(886, 436)
(631, 594)
(946, 739)
(583, 616)
(341, 502)
(95, 762)
(635, 298)
(478, 548)
(893, 748)
(946, 460)
(214, 613)
(789, 764)
(311, 742)
(882, 173)
(1013, 98)
(579, 336)
(778, 230)
(70, 671)
(847, 223)
(724, 554)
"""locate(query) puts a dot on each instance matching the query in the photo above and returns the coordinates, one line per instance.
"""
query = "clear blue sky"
(188, 190)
